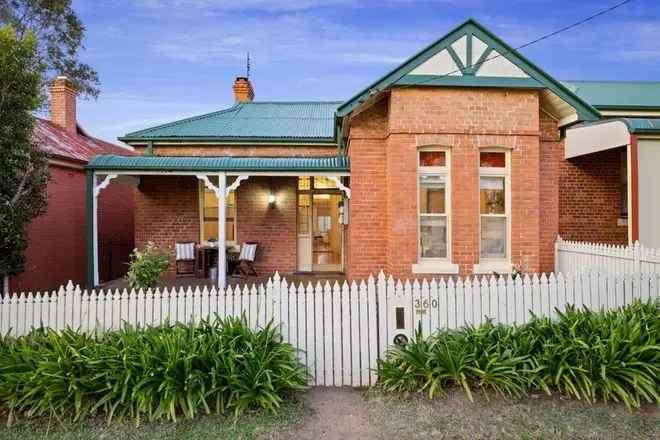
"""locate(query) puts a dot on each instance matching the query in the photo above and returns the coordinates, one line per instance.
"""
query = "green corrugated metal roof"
(280, 121)
(618, 94)
(634, 125)
(224, 163)
(642, 125)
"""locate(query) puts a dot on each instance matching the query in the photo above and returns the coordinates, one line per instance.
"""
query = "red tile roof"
(78, 147)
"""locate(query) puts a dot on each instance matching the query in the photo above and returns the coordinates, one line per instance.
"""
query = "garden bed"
(593, 356)
(145, 374)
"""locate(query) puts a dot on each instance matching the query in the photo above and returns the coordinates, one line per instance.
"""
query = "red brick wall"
(366, 240)
(167, 212)
(116, 227)
(552, 150)
(464, 120)
(57, 246)
(590, 199)
(273, 227)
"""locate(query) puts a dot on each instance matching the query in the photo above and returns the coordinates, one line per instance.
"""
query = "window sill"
(488, 267)
(622, 222)
(439, 267)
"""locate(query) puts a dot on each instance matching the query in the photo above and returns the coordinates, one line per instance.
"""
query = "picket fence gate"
(576, 256)
(341, 330)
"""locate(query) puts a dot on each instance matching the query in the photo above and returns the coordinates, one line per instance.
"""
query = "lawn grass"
(250, 425)
(455, 417)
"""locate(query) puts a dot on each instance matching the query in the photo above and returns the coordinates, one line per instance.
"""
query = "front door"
(327, 233)
(320, 232)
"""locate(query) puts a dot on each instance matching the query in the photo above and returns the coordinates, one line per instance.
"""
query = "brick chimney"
(243, 91)
(63, 103)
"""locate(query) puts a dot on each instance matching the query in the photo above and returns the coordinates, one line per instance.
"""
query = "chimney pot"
(243, 91)
(63, 103)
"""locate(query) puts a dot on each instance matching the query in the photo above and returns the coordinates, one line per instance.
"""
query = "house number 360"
(425, 303)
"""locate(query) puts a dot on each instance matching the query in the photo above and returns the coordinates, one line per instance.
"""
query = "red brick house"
(57, 240)
(465, 159)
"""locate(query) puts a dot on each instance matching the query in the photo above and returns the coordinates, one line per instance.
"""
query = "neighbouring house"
(57, 240)
(465, 159)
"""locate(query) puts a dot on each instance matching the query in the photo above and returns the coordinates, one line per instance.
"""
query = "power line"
(539, 39)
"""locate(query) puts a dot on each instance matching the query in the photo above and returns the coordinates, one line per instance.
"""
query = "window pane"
(324, 183)
(210, 212)
(492, 160)
(493, 237)
(433, 236)
(210, 230)
(492, 195)
(432, 159)
(432, 194)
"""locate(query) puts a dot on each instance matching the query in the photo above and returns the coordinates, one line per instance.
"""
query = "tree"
(59, 33)
(23, 165)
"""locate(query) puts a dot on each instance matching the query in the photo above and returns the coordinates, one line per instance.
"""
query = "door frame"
(311, 191)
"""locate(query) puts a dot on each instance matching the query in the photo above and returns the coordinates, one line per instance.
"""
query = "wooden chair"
(185, 258)
(245, 266)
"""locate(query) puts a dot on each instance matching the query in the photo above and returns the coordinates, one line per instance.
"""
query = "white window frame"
(499, 265)
(435, 265)
(200, 198)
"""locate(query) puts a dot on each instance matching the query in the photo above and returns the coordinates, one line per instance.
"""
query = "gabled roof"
(222, 163)
(472, 56)
(615, 95)
(78, 147)
(294, 122)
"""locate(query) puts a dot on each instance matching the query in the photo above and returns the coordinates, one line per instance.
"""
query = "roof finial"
(247, 73)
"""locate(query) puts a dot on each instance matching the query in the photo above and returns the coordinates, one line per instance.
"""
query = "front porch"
(294, 208)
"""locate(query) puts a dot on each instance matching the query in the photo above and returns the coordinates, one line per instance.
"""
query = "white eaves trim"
(587, 139)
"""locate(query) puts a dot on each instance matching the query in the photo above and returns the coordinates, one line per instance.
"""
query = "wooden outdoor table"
(208, 254)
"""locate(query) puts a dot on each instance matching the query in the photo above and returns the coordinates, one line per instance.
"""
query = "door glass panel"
(303, 214)
(327, 233)
(433, 236)
(493, 237)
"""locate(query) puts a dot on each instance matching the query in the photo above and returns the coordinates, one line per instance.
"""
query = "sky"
(163, 60)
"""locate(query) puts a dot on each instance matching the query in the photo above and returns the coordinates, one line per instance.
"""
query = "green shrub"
(146, 266)
(611, 355)
(153, 372)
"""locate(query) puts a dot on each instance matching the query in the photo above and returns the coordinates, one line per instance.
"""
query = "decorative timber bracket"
(104, 184)
(340, 185)
(236, 183)
(207, 182)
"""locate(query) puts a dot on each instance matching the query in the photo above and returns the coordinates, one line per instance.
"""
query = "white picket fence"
(576, 256)
(340, 329)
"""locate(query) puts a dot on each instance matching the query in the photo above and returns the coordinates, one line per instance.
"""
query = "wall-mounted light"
(272, 199)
